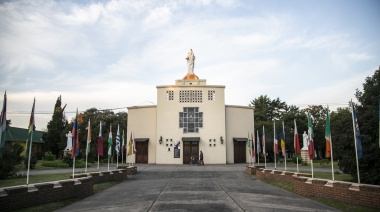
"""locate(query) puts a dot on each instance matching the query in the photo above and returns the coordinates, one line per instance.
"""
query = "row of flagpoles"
(310, 143)
(75, 147)
(75, 140)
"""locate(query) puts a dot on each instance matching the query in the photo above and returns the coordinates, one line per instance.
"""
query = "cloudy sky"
(112, 54)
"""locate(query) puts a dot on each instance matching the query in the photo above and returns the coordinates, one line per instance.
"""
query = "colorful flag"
(117, 147)
(253, 145)
(328, 134)
(3, 123)
(123, 145)
(100, 141)
(283, 140)
(296, 139)
(275, 143)
(88, 138)
(249, 145)
(110, 142)
(130, 146)
(357, 133)
(31, 128)
(258, 143)
(263, 143)
(310, 133)
(74, 132)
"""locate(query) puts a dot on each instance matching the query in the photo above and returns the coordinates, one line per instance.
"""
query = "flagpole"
(98, 162)
(297, 164)
(356, 148)
(274, 143)
(331, 149)
(283, 130)
(73, 167)
(85, 170)
(312, 169)
(30, 154)
(108, 163)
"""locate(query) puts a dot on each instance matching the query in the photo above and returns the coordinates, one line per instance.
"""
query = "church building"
(190, 116)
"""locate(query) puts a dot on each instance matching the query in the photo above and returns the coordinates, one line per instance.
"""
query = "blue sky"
(112, 54)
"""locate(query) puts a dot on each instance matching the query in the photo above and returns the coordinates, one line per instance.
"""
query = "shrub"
(33, 162)
(294, 159)
(55, 163)
(304, 163)
(49, 156)
(67, 159)
(10, 160)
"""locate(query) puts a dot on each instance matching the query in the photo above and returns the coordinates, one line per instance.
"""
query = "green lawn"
(34, 179)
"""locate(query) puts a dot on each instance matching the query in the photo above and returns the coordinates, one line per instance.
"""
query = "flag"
(117, 147)
(130, 146)
(88, 138)
(283, 140)
(275, 143)
(357, 133)
(134, 143)
(328, 134)
(74, 132)
(110, 142)
(3, 123)
(258, 143)
(253, 146)
(100, 141)
(249, 145)
(123, 145)
(31, 128)
(263, 143)
(310, 133)
(296, 139)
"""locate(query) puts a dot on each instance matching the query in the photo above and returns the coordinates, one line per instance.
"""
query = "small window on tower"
(211, 95)
(169, 95)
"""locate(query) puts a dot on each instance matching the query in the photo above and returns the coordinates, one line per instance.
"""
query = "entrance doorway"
(190, 148)
(141, 150)
(240, 150)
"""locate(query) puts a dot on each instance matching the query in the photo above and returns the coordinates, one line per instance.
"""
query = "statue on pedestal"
(190, 62)
(69, 145)
(305, 141)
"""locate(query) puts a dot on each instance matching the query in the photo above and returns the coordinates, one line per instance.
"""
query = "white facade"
(194, 115)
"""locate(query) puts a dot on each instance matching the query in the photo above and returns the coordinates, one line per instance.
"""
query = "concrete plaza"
(194, 188)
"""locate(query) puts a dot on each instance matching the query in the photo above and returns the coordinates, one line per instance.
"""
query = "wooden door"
(239, 152)
(190, 148)
(141, 152)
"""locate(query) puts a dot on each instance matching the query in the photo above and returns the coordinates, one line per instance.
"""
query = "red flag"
(296, 139)
(253, 146)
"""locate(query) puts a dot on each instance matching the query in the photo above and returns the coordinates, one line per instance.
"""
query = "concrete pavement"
(194, 188)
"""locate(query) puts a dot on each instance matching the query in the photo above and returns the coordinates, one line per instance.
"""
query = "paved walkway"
(194, 188)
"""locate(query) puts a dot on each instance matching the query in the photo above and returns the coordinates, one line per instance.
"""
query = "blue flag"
(357, 133)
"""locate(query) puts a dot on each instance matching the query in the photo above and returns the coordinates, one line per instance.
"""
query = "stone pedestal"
(305, 156)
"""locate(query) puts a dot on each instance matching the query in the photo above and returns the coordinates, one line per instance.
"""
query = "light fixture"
(221, 139)
(160, 140)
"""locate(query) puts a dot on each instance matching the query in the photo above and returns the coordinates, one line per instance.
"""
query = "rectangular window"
(190, 96)
(169, 95)
(211, 95)
(190, 120)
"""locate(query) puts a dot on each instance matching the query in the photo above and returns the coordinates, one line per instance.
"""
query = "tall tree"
(55, 129)
(368, 118)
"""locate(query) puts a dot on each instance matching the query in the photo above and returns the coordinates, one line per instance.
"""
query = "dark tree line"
(267, 110)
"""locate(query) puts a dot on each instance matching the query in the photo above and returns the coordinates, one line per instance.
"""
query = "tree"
(368, 113)
(318, 114)
(267, 111)
(107, 117)
(55, 129)
(10, 160)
